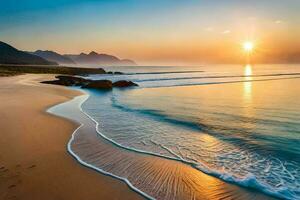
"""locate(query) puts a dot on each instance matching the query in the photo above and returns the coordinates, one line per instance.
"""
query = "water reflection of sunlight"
(248, 71)
(209, 140)
(248, 83)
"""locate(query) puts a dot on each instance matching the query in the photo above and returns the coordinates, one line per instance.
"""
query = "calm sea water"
(238, 123)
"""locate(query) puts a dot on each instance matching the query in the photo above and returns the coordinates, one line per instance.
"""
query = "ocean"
(239, 123)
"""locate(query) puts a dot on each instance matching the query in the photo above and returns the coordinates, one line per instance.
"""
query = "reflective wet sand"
(157, 177)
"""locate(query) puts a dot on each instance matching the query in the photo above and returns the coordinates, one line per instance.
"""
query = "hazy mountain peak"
(93, 53)
(99, 59)
(11, 55)
(53, 56)
(4, 45)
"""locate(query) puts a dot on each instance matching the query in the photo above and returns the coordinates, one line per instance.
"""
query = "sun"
(248, 46)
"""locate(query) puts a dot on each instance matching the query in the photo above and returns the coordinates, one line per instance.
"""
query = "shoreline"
(85, 96)
(248, 193)
(34, 161)
(244, 183)
(197, 184)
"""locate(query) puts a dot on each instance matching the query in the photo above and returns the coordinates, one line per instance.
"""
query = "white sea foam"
(248, 181)
(82, 99)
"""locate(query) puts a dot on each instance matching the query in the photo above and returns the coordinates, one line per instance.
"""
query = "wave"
(160, 116)
(222, 82)
(249, 181)
(197, 125)
(225, 133)
(216, 77)
(69, 147)
(168, 72)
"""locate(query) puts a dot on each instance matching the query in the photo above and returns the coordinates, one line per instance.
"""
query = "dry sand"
(34, 163)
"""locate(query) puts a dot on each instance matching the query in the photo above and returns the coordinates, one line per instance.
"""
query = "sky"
(156, 31)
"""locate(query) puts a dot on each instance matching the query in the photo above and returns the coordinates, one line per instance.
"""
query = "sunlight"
(248, 83)
(248, 46)
(248, 71)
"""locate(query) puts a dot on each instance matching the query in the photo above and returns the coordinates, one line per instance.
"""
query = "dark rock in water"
(115, 73)
(99, 84)
(93, 84)
(56, 82)
(68, 81)
(124, 84)
(73, 80)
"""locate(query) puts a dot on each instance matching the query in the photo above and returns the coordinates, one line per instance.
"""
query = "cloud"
(226, 32)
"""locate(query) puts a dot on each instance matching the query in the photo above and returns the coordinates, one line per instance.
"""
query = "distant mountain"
(100, 59)
(53, 57)
(128, 62)
(11, 55)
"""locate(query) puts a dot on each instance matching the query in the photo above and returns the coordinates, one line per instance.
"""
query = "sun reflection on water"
(248, 71)
(248, 83)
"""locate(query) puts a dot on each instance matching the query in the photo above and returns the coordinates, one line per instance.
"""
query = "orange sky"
(169, 32)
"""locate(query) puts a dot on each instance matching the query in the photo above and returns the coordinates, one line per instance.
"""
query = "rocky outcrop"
(115, 73)
(99, 84)
(91, 84)
(68, 81)
(124, 84)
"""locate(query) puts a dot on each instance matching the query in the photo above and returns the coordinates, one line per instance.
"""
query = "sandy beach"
(156, 100)
(154, 176)
(34, 163)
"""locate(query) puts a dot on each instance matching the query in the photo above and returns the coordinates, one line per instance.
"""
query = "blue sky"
(140, 29)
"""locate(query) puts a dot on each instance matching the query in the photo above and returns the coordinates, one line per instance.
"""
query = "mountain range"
(53, 56)
(11, 55)
(99, 59)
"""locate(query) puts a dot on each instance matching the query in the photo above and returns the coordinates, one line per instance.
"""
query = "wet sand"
(34, 163)
(157, 177)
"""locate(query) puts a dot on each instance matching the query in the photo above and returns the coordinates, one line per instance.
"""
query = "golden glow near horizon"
(248, 84)
(175, 33)
(248, 70)
(248, 46)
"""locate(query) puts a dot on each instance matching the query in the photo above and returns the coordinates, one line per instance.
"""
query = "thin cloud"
(226, 32)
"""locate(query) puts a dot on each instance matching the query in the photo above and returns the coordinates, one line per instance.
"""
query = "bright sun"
(248, 46)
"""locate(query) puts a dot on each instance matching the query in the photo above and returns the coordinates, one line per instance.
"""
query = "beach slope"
(34, 163)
